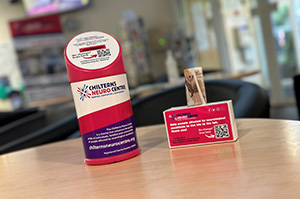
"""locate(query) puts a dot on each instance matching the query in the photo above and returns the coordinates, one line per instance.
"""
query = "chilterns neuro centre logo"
(83, 92)
(103, 89)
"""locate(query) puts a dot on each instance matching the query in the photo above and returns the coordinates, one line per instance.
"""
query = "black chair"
(8, 117)
(249, 100)
(51, 124)
(55, 132)
(297, 92)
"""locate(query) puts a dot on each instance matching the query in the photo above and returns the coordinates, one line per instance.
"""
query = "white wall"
(9, 11)
(8, 61)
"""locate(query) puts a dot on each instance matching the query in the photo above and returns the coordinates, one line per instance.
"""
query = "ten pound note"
(195, 88)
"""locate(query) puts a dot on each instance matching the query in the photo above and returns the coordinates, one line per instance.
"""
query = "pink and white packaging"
(198, 125)
(101, 96)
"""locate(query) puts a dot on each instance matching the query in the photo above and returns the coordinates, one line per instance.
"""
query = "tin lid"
(92, 50)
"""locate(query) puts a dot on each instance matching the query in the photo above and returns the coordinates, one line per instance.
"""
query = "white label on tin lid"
(92, 50)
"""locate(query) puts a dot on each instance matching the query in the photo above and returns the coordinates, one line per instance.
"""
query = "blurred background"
(252, 40)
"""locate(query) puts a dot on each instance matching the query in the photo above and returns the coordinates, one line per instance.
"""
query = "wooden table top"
(263, 163)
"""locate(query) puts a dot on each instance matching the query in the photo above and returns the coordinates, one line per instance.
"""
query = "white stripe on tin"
(97, 94)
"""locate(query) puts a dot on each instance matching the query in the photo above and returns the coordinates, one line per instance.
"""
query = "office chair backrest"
(249, 100)
(148, 110)
(297, 92)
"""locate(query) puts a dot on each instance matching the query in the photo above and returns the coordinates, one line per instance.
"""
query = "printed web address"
(93, 147)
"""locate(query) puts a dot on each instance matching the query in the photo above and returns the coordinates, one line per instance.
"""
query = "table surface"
(263, 163)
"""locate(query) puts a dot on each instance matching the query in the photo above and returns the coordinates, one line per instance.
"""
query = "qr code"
(103, 52)
(221, 131)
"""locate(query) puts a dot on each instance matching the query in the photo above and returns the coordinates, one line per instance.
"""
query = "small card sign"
(198, 125)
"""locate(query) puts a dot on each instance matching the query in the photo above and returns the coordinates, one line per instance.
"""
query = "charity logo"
(172, 117)
(83, 92)
(100, 90)
(182, 116)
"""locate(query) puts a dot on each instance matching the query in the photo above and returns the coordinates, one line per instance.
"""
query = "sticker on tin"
(92, 50)
(97, 94)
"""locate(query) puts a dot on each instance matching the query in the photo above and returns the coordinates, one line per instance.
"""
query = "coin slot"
(92, 48)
